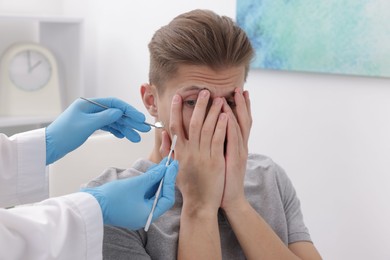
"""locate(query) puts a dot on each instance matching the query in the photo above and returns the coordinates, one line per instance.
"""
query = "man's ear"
(149, 97)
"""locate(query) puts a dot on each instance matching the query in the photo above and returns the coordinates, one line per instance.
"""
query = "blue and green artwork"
(329, 36)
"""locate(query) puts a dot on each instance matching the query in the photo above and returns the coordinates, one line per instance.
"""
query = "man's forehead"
(214, 90)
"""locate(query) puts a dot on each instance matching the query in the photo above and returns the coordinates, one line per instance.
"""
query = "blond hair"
(199, 37)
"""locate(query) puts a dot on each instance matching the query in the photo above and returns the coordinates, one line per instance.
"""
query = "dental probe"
(158, 124)
(149, 221)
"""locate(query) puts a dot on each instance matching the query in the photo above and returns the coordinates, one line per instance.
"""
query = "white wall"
(332, 136)
(330, 133)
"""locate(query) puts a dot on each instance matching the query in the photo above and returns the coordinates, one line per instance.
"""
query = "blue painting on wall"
(329, 36)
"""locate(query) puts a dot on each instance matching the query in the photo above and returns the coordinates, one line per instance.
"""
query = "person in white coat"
(71, 226)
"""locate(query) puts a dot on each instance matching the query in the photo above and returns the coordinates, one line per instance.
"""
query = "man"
(229, 204)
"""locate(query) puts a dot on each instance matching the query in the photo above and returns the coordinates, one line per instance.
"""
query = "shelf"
(36, 18)
(25, 120)
(63, 35)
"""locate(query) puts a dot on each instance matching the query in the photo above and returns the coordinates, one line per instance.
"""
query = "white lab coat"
(67, 227)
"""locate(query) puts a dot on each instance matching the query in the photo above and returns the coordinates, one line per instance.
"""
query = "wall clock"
(29, 81)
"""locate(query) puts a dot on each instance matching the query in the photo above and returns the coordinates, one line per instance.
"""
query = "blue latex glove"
(73, 127)
(127, 203)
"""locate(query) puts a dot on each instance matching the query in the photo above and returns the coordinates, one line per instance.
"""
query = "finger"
(241, 107)
(105, 117)
(126, 108)
(176, 120)
(171, 172)
(129, 122)
(198, 117)
(228, 110)
(248, 103)
(153, 176)
(167, 199)
(115, 132)
(129, 133)
(160, 164)
(86, 107)
(219, 137)
(163, 161)
(233, 133)
(210, 124)
(128, 130)
(157, 169)
(244, 118)
(233, 143)
(165, 143)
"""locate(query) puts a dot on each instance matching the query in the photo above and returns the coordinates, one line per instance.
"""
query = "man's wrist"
(238, 207)
(198, 211)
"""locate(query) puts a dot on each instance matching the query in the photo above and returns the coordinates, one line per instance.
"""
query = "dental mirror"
(157, 124)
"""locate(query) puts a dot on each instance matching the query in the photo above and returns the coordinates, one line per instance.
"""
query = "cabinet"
(63, 36)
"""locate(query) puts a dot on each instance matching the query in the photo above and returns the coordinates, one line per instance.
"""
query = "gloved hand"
(128, 202)
(73, 127)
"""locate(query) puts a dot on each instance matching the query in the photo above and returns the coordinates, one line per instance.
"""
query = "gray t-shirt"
(267, 188)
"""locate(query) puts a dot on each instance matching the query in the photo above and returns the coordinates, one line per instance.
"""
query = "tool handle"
(149, 221)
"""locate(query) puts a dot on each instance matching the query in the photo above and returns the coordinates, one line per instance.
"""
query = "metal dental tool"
(149, 221)
(157, 125)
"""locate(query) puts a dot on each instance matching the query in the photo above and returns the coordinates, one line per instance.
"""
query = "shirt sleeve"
(23, 176)
(67, 227)
(297, 230)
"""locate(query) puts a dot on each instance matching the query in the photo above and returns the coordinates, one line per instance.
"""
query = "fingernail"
(217, 101)
(204, 93)
(176, 99)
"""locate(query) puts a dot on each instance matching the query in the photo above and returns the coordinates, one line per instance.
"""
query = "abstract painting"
(329, 36)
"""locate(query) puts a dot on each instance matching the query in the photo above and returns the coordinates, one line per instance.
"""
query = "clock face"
(30, 70)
